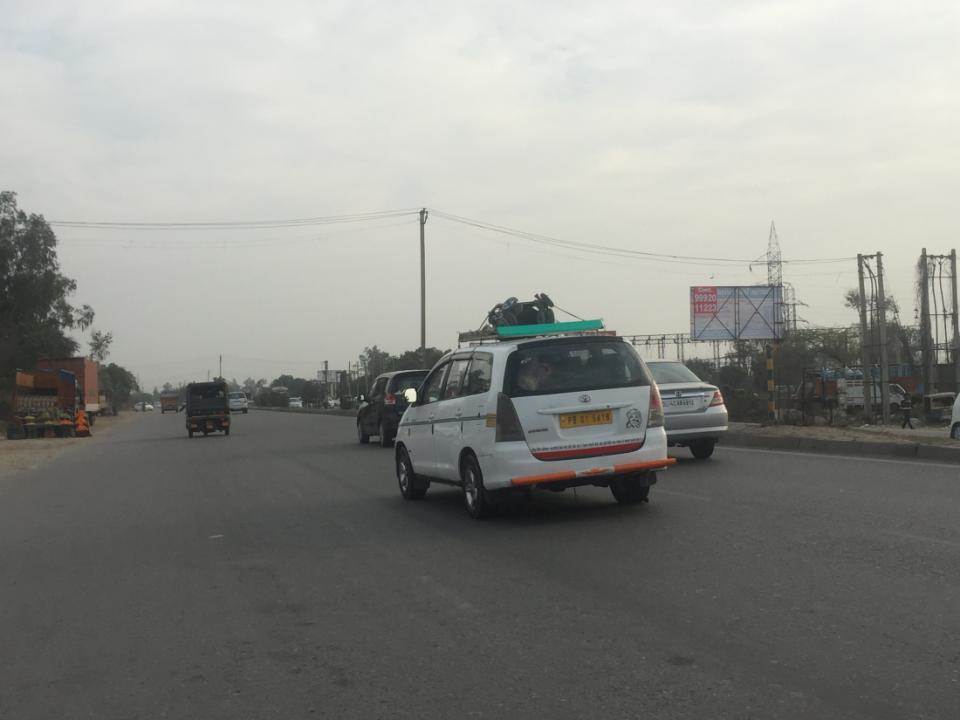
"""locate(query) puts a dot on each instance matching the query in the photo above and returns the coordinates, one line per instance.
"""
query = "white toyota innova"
(544, 412)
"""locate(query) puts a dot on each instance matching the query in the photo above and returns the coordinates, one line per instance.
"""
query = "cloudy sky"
(682, 128)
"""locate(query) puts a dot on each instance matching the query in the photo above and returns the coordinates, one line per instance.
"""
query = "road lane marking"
(857, 458)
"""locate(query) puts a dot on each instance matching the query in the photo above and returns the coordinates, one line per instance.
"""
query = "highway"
(277, 573)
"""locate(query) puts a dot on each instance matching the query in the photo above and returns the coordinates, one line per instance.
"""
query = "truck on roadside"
(44, 404)
(87, 374)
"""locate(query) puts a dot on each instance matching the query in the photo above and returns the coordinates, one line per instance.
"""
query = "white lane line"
(857, 458)
(658, 491)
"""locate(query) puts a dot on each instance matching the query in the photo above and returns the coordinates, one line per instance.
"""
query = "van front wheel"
(955, 431)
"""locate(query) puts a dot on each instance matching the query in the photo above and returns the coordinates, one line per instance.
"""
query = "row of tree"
(36, 312)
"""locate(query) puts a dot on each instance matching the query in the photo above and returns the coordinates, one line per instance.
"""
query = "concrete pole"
(864, 348)
(925, 350)
(423, 289)
(956, 321)
(884, 366)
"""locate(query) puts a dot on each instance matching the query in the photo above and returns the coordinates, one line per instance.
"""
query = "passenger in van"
(534, 375)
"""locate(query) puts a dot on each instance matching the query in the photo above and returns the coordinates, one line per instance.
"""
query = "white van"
(549, 412)
(853, 389)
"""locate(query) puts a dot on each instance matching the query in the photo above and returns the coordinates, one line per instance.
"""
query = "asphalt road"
(277, 573)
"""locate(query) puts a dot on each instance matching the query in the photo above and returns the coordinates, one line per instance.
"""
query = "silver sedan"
(694, 411)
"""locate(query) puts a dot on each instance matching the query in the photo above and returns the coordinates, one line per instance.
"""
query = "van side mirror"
(361, 398)
(410, 395)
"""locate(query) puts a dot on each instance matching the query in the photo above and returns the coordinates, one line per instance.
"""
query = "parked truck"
(87, 374)
(44, 404)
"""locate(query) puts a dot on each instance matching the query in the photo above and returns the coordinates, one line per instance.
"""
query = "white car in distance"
(238, 402)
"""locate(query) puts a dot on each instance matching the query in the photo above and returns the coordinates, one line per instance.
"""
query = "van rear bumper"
(511, 464)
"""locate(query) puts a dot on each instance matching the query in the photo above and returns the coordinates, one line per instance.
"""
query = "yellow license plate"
(583, 419)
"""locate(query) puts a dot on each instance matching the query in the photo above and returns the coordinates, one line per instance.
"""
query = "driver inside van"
(534, 374)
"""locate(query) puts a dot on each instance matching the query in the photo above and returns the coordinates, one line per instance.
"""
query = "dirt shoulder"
(18, 455)
(873, 433)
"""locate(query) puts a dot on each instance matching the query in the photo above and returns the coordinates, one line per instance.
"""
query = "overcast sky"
(682, 127)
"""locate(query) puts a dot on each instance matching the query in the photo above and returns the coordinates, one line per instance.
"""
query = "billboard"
(745, 312)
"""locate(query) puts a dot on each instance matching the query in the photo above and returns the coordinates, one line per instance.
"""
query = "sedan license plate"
(681, 403)
(583, 419)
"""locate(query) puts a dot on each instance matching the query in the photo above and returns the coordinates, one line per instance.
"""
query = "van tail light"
(508, 422)
(656, 407)
(390, 399)
(717, 399)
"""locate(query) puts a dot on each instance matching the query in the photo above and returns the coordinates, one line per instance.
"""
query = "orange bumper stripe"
(615, 470)
(652, 465)
(551, 477)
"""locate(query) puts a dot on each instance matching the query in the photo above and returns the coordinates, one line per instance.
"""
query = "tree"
(119, 383)
(375, 361)
(100, 345)
(34, 309)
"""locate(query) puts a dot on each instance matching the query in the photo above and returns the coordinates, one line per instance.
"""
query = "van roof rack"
(513, 332)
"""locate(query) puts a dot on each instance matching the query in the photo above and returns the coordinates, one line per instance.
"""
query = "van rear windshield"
(564, 367)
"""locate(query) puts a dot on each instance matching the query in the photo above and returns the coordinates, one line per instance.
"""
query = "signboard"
(746, 312)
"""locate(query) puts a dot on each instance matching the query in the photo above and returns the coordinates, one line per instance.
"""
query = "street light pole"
(423, 288)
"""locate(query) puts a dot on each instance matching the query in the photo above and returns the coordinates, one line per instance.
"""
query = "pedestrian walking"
(905, 408)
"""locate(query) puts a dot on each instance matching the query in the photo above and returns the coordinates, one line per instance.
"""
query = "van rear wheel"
(955, 432)
(361, 435)
(632, 490)
(475, 496)
(702, 449)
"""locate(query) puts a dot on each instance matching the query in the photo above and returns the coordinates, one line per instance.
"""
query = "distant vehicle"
(380, 411)
(207, 408)
(169, 401)
(143, 407)
(955, 419)
(238, 402)
(549, 411)
(853, 390)
(295, 402)
(939, 407)
(695, 414)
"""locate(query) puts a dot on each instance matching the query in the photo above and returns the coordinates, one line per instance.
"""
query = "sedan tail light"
(656, 407)
(717, 399)
(508, 423)
(390, 399)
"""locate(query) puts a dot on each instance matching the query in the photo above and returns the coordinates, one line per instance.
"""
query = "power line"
(612, 250)
(232, 224)
(190, 243)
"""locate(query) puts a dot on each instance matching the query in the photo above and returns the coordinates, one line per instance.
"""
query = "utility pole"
(884, 366)
(221, 367)
(927, 357)
(956, 321)
(864, 348)
(423, 288)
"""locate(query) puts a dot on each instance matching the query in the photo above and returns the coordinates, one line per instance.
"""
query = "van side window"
(479, 374)
(433, 385)
(455, 379)
(376, 392)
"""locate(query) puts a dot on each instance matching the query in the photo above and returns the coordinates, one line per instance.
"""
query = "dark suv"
(381, 410)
